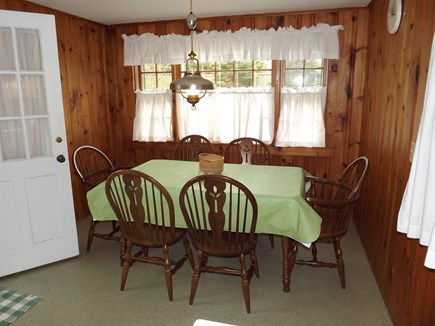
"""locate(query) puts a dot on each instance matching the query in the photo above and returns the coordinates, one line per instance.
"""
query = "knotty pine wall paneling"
(344, 100)
(377, 116)
(396, 77)
(82, 59)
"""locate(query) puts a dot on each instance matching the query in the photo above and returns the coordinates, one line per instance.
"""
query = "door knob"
(58, 139)
(60, 158)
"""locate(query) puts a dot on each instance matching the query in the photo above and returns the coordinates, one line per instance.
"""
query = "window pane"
(149, 81)
(225, 79)
(12, 140)
(29, 51)
(206, 66)
(9, 102)
(33, 90)
(164, 67)
(6, 50)
(317, 63)
(156, 75)
(243, 73)
(209, 76)
(262, 64)
(294, 64)
(164, 80)
(313, 77)
(149, 68)
(243, 78)
(243, 65)
(228, 65)
(294, 78)
(39, 137)
(263, 78)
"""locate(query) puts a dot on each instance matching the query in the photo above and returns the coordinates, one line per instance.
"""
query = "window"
(304, 73)
(153, 76)
(238, 73)
(243, 103)
(153, 118)
(303, 99)
(249, 73)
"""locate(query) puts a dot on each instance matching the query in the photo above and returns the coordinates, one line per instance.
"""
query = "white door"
(37, 220)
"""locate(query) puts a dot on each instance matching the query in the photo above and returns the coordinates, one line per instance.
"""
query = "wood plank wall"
(345, 87)
(395, 85)
(99, 103)
(99, 108)
(83, 64)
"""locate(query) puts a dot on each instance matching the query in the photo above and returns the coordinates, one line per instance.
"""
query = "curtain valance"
(316, 42)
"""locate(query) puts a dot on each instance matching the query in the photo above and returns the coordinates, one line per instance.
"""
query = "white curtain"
(417, 212)
(6, 50)
(301, 119)
(152, 121)
(24, 128)
(243, 112)
(314, 42)
(225, 114)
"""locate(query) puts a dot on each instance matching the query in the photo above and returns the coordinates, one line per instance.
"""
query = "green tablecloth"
(279, 192)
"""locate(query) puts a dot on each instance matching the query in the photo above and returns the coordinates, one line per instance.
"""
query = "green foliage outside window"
(238, 73)
(245, 73)
(304, 73)
(156, 76)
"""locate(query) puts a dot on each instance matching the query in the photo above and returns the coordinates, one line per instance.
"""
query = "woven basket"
(211, 163)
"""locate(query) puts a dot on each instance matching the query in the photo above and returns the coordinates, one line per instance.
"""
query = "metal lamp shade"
(192, 81)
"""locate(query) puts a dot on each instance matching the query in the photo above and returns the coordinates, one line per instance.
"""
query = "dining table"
(278, 190)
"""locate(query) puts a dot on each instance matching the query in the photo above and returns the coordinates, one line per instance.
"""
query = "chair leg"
(254, 262)
(145, 251)
(272, 242)
(292, 256)
(91, 234)
(196, 275)
(188, 251)
(314, 251)
(168, 273)
(340, 261)
(122, 249)
(125, 264)
(245, 283)
(113, 226)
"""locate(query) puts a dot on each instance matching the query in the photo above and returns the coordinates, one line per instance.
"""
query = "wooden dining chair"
(93, 166)
(248, 150)
(189, 148)
(145, 212)
(334, 201)
(221, 217)
(354, 174)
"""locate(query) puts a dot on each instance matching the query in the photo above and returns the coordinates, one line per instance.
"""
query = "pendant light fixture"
(192, 86)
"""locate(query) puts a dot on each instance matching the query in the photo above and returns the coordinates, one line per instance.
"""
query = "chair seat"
(153, 236)
(227, 247)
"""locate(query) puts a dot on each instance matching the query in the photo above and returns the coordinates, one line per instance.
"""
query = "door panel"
(37, 220)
